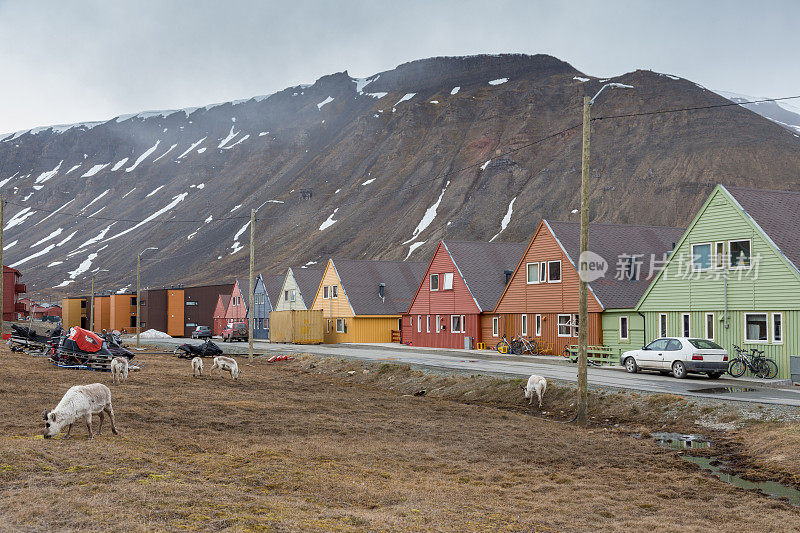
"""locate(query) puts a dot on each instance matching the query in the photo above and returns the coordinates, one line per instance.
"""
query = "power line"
(697, 108)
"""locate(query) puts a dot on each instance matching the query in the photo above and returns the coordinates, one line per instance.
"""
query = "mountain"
(468, 148)
(782, 112)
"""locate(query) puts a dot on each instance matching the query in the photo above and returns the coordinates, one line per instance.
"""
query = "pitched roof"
(361, 280)
(612, 241)
(308, 280)
(273, 284)
(482, 266)
(773, 211)
(226, 299)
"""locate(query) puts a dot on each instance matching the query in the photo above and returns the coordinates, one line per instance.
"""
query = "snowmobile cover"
(85, 339)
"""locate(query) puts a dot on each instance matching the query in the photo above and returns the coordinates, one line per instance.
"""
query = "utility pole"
(91, 322)
(139, 291)
(3, 279)
(250, 310)
(583, 289)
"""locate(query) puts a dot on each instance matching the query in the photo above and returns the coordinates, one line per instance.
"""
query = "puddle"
(717, 390)
(679, 441)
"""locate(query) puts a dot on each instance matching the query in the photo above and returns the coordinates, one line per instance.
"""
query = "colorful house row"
(111, 311)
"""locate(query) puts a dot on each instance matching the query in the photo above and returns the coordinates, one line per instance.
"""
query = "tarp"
(85, 339)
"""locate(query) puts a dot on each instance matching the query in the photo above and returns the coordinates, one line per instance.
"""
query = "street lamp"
(583, 286)
(139, 289)
(91, 325)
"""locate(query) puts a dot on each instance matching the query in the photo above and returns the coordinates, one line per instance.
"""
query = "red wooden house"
(220, 311)
(236, 310)
(12, 288)
(458, 293)
(541, 299)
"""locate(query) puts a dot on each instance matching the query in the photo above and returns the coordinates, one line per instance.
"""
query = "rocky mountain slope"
(466, 148)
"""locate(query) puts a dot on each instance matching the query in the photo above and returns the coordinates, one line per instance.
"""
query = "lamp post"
(91, 324)
(583, 284)
(139, 290)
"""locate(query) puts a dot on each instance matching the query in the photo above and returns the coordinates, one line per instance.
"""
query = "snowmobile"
(206, 349)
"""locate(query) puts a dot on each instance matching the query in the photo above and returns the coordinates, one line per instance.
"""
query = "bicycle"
(509, 349)
(753, 360)
(530, 347)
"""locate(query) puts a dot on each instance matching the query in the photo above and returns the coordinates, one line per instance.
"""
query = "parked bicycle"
(753, 360)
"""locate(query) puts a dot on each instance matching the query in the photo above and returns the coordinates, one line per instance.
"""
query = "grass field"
(291, 448)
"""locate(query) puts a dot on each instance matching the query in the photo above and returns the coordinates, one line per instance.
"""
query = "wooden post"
(250, 310)
(138, 295)
(583, 321)
(91, 323)
(2, 281)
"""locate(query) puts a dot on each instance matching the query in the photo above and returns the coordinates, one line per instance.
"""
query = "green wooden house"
(732, 278)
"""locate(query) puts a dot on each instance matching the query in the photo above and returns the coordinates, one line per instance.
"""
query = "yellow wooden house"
(361, 301)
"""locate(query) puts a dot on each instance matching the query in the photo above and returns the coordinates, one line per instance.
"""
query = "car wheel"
(679, 369)
(631, 366)
(714, 375)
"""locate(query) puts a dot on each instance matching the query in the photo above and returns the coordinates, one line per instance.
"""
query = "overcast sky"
(72, 61)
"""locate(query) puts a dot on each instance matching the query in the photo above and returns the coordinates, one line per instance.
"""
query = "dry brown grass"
(289, 449)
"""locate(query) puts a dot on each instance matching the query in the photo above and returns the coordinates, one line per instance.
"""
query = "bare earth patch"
(290, 448)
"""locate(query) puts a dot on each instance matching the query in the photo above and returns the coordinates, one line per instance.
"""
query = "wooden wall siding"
(512, 325)
(361, 329)
(261, 311)
(121, 312)
(445, 338)
(520, 297)
(610, 331)
(236, 312)
(102, 313)
(175, 315)
(457, 300)
(290, 284)
(72, 312)
(333, 307)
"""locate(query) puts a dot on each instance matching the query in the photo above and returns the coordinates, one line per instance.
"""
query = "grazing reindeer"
(535, 384)
(80, 401)
(227, 364)
(197, 367)
(119, 370)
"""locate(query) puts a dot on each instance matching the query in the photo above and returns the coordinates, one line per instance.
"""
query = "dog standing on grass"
(227, 364)
(197, 367)
(536, 384)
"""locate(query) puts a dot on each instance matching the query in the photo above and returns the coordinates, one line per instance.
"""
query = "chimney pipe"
(382, 291)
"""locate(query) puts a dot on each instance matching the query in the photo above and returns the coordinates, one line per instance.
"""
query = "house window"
(142, 303)
(662, 325)
(701, 257)
(537, 324)
(575, 325)
(434, 282)
(191, 324)
(564, 326)
(341, 327)
(428, 323)
(292, 295)
(739, 253)
(710, 326)
(334, 291)
(143, 325)
(448, 281)
(495, 326)
(554, 271)
(533, 273)
(133, 321)
(543, 272)
(623, 328)
(777, 328)
(191, 302)
(456, 324)
(328, 325)
(419, 323)
(437, 324)
(524, 325)
(324, 294)
(755, 327)
(686, 322)
(719, 254)
(83, 304)
(133, 300)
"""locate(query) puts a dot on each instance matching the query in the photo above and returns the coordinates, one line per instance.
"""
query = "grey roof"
(483, 266)
(612, 241)
(308, 280)
(361, 279)
(776, 212)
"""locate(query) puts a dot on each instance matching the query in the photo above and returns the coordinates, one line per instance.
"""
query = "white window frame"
(559, 271)
(709, 335)
(419, 323)
(535, 280)
(715, 264)
(710, 256)
(437, 282)
(334, 291)
(575, 324)
(455, 327)
(343, 323)
(326, 293)
(438, 325)
(624, 319)
(327, 325)
(730, 255)
(662, 332)
(428, 322)
(683, 329)
(447, 276)
(772, 328)
(537, 326)
(543, 272)
(292, 295)
(568, 325)
(495, 326)
(524, 325)
(744, 329)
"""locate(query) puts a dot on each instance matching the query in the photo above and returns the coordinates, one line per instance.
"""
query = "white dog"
(197, 367)
(535, 384)
(228, 364)
(119, 370)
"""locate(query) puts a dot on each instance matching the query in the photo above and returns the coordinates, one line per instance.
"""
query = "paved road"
(486, 363)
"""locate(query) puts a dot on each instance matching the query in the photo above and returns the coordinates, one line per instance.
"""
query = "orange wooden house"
(540, 301)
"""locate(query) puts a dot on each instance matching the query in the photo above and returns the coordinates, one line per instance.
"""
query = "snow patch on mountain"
(428, 216)
(143, 157)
